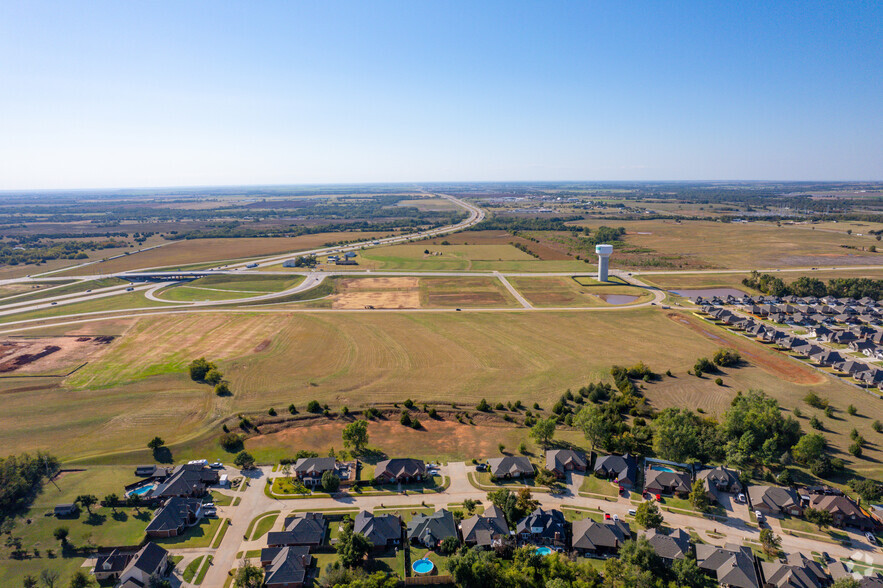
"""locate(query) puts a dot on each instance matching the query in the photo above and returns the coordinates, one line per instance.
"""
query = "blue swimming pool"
(423, 566)
(544, 550)
(662, 469)
(141, 491)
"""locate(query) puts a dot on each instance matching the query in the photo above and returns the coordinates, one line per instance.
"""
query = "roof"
(431, 529)
(675, 545)
(678, 481)
(797, 572)
(302, 529)
(560, 459)
(512, 465)
(113, 563)
(774, 498)
(837, 505)
(587, 534)
(838, 570)
(732, 564)
(288, 566)
(174, 514)
(722, 477)
(481, 529)
(149, 559)
(314, 465)
(185, 480)
(400, 467)
(545, 523)
(379, 530)
(624, 466)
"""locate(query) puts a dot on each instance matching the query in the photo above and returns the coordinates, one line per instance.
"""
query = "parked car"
(740, 498)
(632, 512)
(482, 467)
(606, 516)
(759, 515)
(615, 517)
(217, 465)
(827, 558)
(871, 539)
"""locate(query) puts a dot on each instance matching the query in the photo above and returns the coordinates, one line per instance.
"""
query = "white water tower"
(603, 252)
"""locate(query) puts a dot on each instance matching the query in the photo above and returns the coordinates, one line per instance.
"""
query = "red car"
(658, 498)
(606, 516)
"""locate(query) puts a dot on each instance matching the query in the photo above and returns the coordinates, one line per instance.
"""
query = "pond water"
(423, 566)
(710, 293)
(617, 298)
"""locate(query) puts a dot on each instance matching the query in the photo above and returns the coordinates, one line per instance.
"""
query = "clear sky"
(114, 94)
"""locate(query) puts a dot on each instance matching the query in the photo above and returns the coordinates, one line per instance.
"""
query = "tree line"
(809, 286)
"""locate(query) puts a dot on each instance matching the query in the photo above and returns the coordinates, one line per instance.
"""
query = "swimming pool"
(544, 550)
(662, 469)
(142, 490)
(423, 566)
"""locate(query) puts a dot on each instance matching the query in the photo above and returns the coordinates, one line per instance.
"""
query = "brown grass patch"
(355, 293)
(547, 250)
(403, 283)
(47, 355)
(767, 360)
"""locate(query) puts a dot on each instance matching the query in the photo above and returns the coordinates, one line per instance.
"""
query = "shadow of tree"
(162, 455)
(95, 519)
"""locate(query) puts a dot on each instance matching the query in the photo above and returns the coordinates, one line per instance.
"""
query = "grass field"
(484, 257)
(417, 292)
(740, 245)
(224, 287)
(51, 289)
(123, 301)
(138, 387)
(567, 292)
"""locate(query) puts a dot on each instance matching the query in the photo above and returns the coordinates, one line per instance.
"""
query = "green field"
(485, 257)
(558, 292)
(124, 301)
(225, 287)
(50, 289)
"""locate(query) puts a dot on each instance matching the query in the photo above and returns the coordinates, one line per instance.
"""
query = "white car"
(740, 498)
(871, 539)
(615, 517)
(759, 515)
(217, 465)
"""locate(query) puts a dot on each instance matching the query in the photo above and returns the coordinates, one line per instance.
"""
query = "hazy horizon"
(108, 95)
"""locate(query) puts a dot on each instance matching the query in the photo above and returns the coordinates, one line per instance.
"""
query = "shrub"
(854, 434)
(415, 424)
(829, 411)
(815, 423)
(499, 406)
(432, 413)
(856, 449)
(797, 412)
(213, 376)
(703, 366)
(223, 389)
(815, 401)
(314, 406)
(501, 447)
(272, 412)
(199, 368)
(536, 406)
(719, 381)
(483, 406)
(522, 448)
(851, 410)
(726, 357)
(345, 410)
(405, 419)
(877, 426)
(292, 409)
(230, 441)
(409, 403)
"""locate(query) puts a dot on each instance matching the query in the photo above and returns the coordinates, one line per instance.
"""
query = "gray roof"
(589, 535)
(673, 546)
(513, 465)
(431, 529)
(789, 576)
(481, 529)
(174, 514)
(288, 565)
(720, 476)
(400, 467)
(732, 564)
(678, 481)
(838, 570)
(314, 465)
(185, 480)
(545, 523)
(560, 459)
(149, 559)
(380, 529)
(302, 529)
(774, 498)
(624, 466)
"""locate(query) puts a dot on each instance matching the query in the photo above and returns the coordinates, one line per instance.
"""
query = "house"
(821, 332)
(309, 470)
(862, 346)
(174, 516)
(510, 466)
(145, 471)
(285, 567)
(827, 358)
(843, 337)
(401, 470)
(871, 377)
(774, 500)
(796, 572)
(484, 529)
(657, 481)
(543, 527)
(187, 480)
(561, 461)
(622, 469)
(720, 479)
(732, 565)
(65, 510)
(839, 571)
(382, 531)
(671, 546)
(599, 538)
(852, 367)
(305, 529)
(148, 563)
(111, 565)
(844, 511)
(431, 530)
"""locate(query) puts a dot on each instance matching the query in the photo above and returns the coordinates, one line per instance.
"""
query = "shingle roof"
(624, 466)
(481, 529)
(174, 514)
(379, 530)
(431, 529)
(560, 459)
(775, 498)
(400, 467)
(302, 529)
(149, 558)
(733, 564)
(589, 535)
(288, 566)
(512, 465)
(314, 465)
(673, 546)
(545, 523)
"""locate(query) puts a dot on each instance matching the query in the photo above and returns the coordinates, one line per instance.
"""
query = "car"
(632, 512)
(217, 465)
(130, 289)
(659, 498)
(209, 505)
(871, 539)
(740, 498)
(458, 310)
(481, 467)
(759, 515)
(606, 516)
(87, 291)
(826, 558)
(615, 517)
(54, 303)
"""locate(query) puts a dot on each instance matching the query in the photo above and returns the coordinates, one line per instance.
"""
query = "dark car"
(826, 557)
(482, 467)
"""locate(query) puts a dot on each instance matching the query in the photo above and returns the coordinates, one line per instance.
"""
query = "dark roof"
(720, 476)
(775, 498)
(431, 529)
(379, 530)
(678, 481)
(624, 466)
(149, 558)
(589, 535)
(113, 563)
(732, 564)
(314, 465)
(545, 523)
(398, 467)
(513, 465)
(673, 546)
(481, 529)
(174, 514)
(302, 529)
(560, 459)
(786, 575)
(287, 566)
(185, 480)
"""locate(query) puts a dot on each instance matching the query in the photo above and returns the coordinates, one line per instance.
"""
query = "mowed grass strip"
(224, 287)
(568, 292)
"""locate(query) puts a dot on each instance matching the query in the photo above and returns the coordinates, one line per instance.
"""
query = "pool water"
(544, 550)
(662, 469)
(142, 490)
(423, 566)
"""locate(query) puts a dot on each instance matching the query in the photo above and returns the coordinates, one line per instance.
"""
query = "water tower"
(603, 252)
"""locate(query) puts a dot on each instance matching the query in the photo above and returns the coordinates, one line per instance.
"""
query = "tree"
(111, 500)
(809, 448)
(755, 429)
(869, 490)
(230, 441)
(846, 583)
(647, 515)
(483, 406)
(676, 434)
(29, 581)
(449, 545)
(592, 421)
(49, 578)
(80, 580)
(703, 365)
(352, 548)
(248, 576)
(314, 406)
(244, 460)
(820, 518)
(355, 435)
(405, 418)
(61, 534)
(543, 431)
(213, 376)
(155, 443)
(330, 482)
(726, 357)
(223, 389)
(687, 572)
(469, 505)
(770, 542)
(86, 501)
(698, 496)
(199, 368)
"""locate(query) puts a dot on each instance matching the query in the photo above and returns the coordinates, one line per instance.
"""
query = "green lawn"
(255, 521)
(221, 499)
(573, 514)
(197, 536)
(439, 560)
(192, 568)
(263, 526)
(390, 561)
(204, 570)
(594, 485)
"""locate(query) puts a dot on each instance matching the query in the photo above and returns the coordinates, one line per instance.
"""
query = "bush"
(432, 413)
(815, 423)
(501, 447)
(409, 403)
(703, 366)
(726, 357)
(719, 381)
(345, 410)
(499, 406)
(231, 441)
(199, 368)
(415, 424)
(272, 412)
(851, 410)
(829, 411)
(815, 401)
(314, 406)
(483, 406)
(877, 426)
(213, 376)
(405, 419)
(292, 409)
(536, 406)
(223, 389)
(856, 449)
(797, 412)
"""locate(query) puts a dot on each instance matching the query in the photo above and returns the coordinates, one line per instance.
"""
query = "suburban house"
(382, 531)
(666, 482)
(599, 538)
(187, 480)
(309, 470)
(148, 563)
(305, 529)
(622, 469)
(285, 567)
(65, 510)
(401, 470)
(430, 530)
(510, 466)
(839, 571)
(720, 479)
(844, 511)
(111, 565)
(561, 461)
(675, 545)
(485, 528)
(796, 572)
(543, 527)
(774, 500)
(732, 565)
(174, 516)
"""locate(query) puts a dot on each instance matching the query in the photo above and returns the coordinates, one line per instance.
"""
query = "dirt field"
(50, 355)
(547, 249)
(465, 292)
(359, 293)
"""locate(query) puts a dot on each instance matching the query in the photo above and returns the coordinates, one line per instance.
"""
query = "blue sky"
(113, 94)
